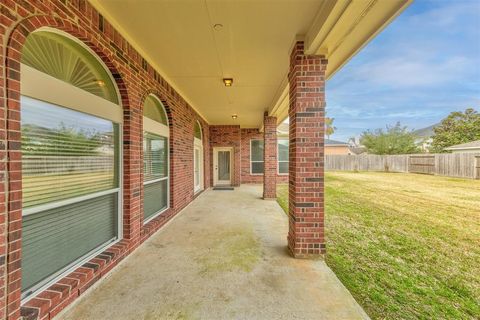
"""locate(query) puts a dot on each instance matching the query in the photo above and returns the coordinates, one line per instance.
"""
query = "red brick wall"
(135, 78)
(247, 136)
(270, 157)
(246, 177)
(226, 136)
(306, 235)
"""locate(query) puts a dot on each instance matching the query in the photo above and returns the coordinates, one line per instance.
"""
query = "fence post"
(476, 172)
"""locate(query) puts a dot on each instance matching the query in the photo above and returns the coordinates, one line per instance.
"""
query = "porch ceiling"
(253, 46)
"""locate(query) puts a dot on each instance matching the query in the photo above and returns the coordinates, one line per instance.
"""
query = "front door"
(222, 166)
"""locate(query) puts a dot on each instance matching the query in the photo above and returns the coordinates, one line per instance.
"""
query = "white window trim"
(197, 143)
(157, 128)
(256, 161)
(45, 88)
(278, 161)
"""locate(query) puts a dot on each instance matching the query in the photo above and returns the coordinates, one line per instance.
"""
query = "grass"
(406, 246)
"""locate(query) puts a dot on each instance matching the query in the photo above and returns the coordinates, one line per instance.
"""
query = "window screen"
(256, 156)
(283, 156)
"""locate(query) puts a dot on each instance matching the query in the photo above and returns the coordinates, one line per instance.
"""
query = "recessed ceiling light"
(218, 26)
(228, 82)
(234, 116)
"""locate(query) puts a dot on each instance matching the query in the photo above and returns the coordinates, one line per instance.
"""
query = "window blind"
(65, 153)
(70, 188)
(256, 156)
(283, 156)
(155, 165)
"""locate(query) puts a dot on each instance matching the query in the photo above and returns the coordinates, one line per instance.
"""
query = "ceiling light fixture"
(100, 83)
(234, 116)
(228, 82)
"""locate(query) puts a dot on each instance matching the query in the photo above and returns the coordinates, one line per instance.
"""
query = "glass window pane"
(257, 167)
(65, 153)
(67, 60)
(257, 150)
(55, 238)
(196, 167)
(282, 150)
(283, 167)
(155, 157)
(197, 131)
(155, 198)
(153, 109)
(224, 165)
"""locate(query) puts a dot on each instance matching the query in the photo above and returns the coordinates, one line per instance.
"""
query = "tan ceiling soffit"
(97, 5)
(339, 31)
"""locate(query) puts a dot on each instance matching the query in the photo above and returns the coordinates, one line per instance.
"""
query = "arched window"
(71, 124)
(198, 131)
(197, 158)
(155, 158)
(67, 60)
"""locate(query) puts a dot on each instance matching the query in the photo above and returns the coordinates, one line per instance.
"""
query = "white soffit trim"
(346, 27)
(41, 86)
(98, 6)
(339, 31)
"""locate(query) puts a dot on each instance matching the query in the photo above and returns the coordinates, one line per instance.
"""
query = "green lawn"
(406, 246)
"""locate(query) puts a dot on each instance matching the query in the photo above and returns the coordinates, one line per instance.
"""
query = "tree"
(329, 128)
(67, 141)
(458, 127)
(394, 140)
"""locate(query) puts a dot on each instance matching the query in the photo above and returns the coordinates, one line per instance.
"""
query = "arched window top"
(197, 130)
(67, 60)
(153, 109)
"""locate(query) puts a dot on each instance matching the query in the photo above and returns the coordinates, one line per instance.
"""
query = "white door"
(198, 168)
(222, 166)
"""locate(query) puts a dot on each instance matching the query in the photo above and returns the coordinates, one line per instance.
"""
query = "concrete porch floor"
(223, 257)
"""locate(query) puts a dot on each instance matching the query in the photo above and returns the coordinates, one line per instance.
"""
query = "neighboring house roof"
(468, 145)
(335, 143)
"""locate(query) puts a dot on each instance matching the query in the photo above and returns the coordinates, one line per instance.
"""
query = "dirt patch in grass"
(230, 250)
(406, 246)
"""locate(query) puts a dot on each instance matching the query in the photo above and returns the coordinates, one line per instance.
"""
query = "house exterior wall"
(246, 136)
(227, 136)
(337, 150)
(135, 79)
(469, 150)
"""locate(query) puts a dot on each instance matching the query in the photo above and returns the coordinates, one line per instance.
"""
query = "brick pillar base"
(306, 237)
(269, 157)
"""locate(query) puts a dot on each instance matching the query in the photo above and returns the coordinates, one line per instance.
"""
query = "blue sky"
(423, 66)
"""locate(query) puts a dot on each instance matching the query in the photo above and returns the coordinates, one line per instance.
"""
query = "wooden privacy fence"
(462, 165)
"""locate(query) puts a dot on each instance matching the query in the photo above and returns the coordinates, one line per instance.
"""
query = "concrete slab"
(223, 257)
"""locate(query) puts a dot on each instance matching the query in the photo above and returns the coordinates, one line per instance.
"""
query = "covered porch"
(117, 117)
(223, 257)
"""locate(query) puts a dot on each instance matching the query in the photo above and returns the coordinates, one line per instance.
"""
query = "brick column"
(269, 157)
(306, 237)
